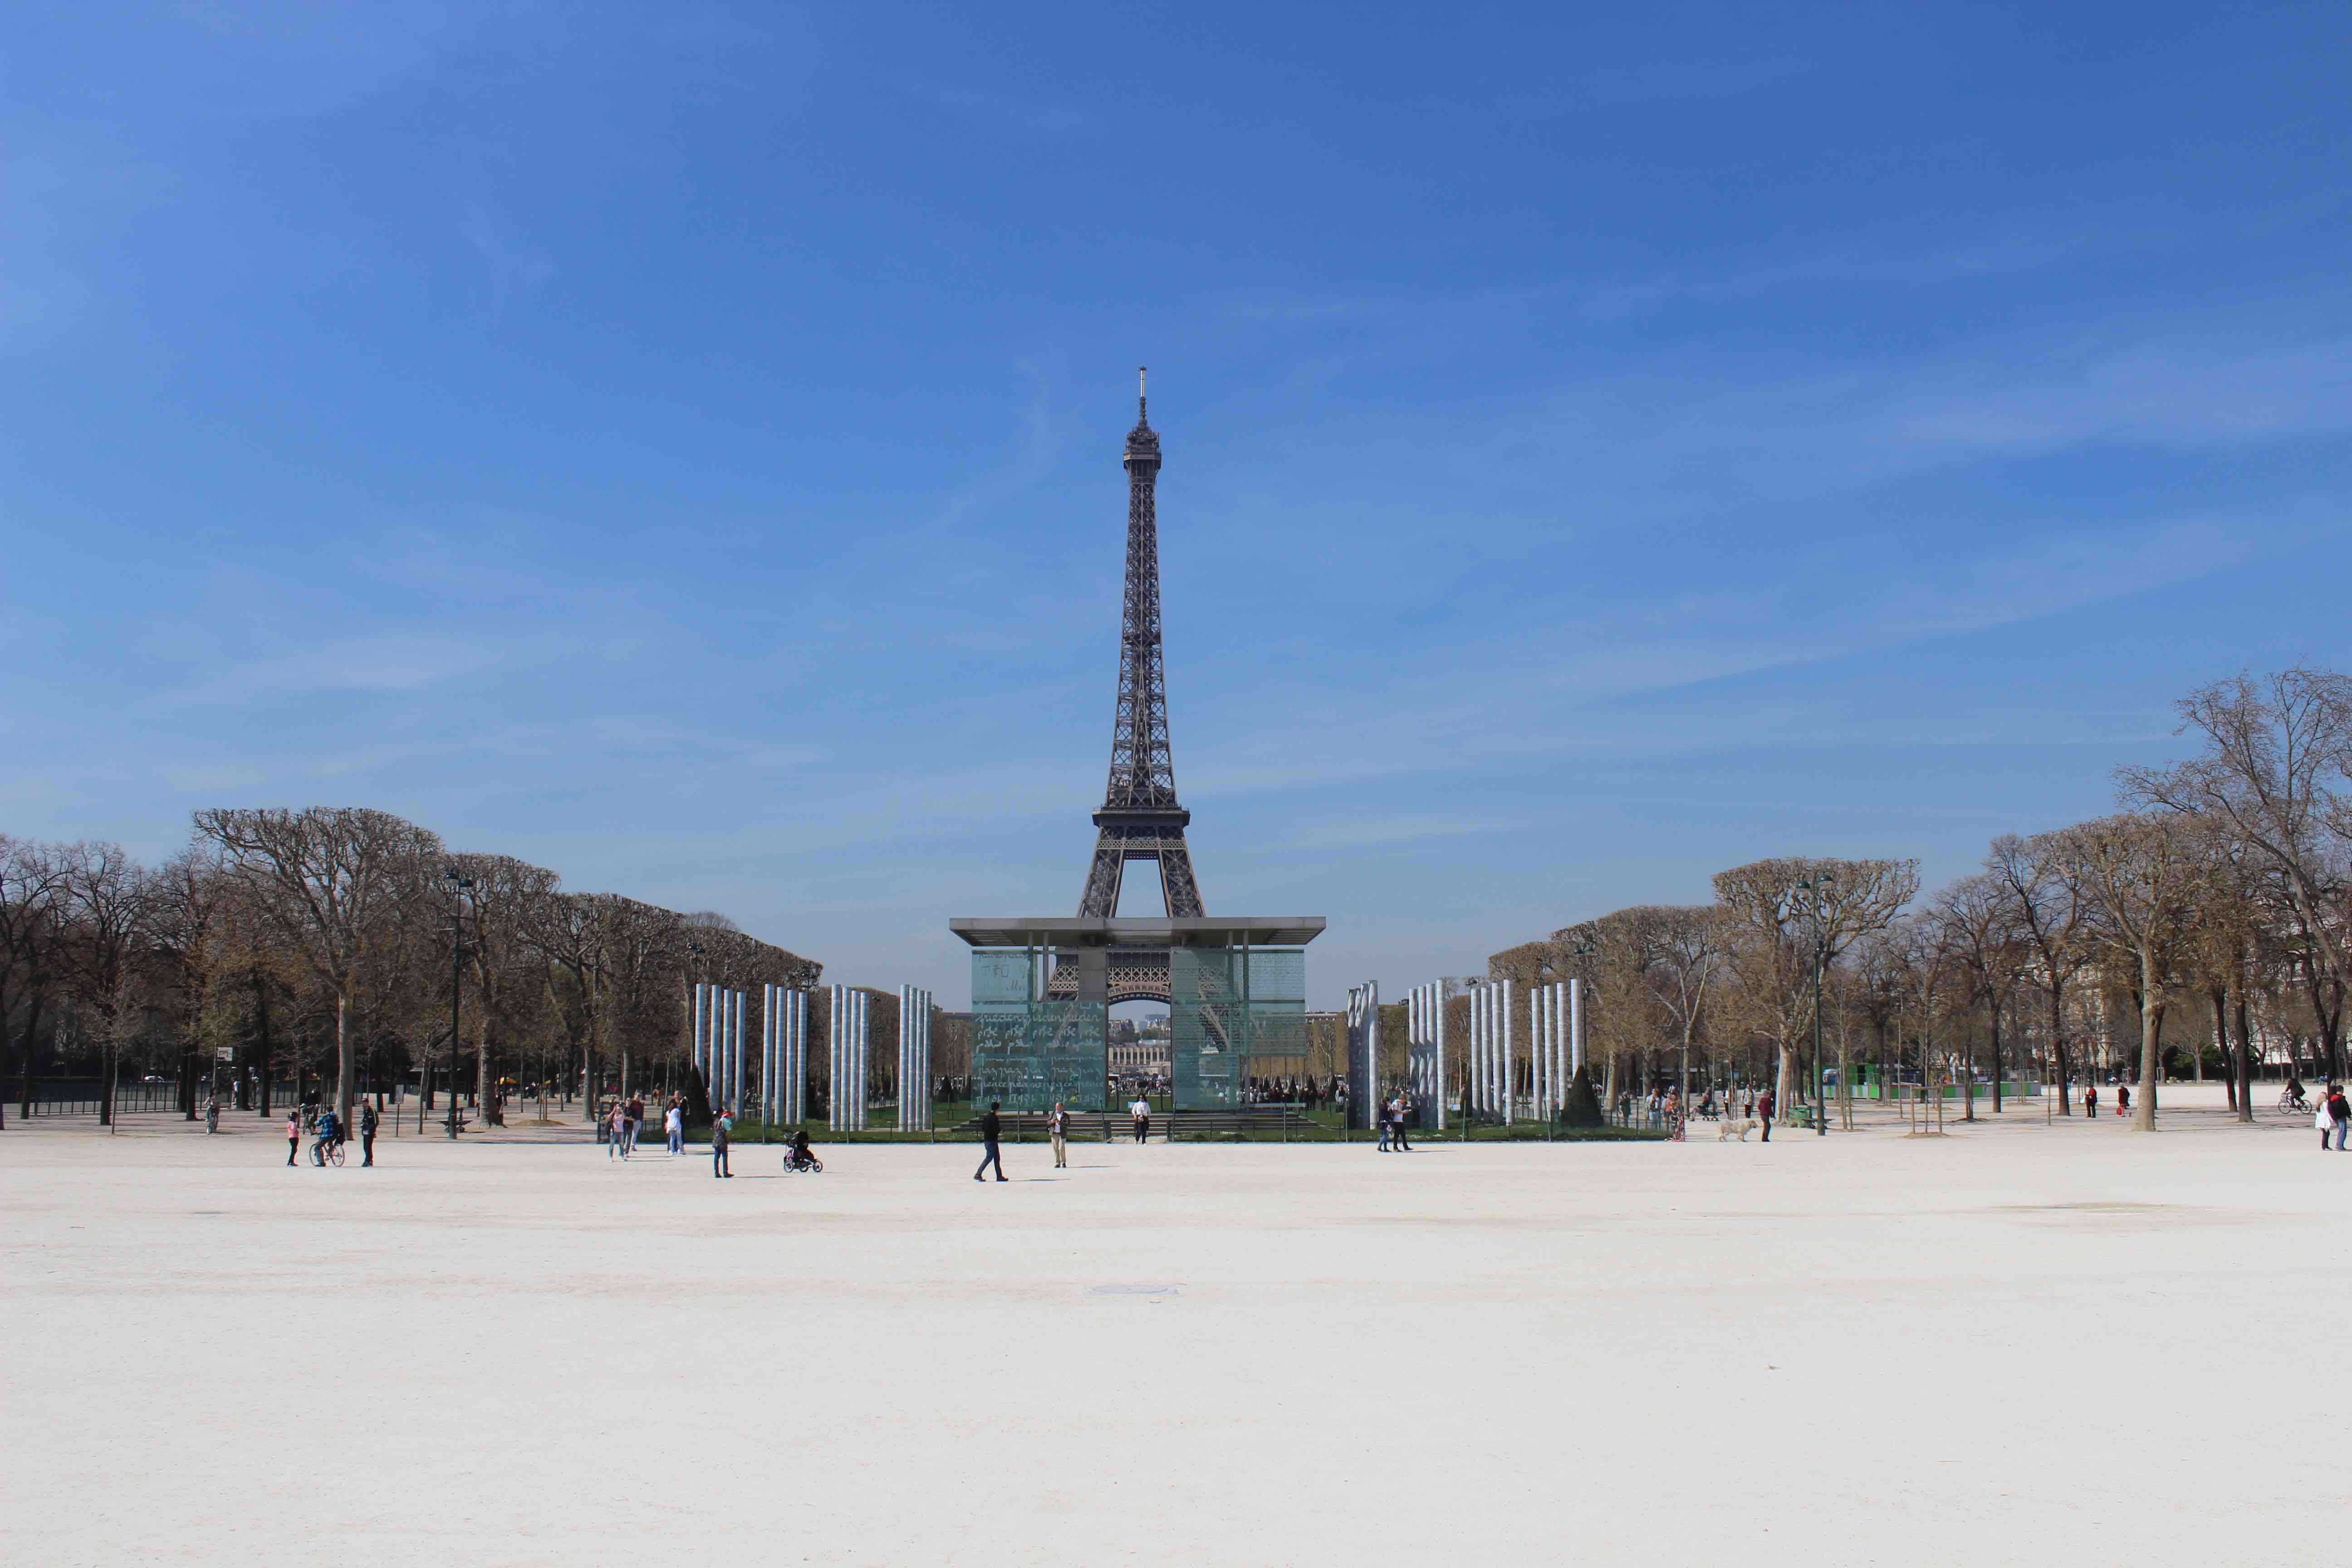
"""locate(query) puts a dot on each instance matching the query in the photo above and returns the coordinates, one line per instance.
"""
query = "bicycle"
(2290, 1101)
(327, 1152)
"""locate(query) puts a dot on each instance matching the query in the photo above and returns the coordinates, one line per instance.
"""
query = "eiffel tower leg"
(1176, 884)
(1100, 900)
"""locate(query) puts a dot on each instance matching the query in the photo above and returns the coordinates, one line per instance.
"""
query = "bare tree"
(331, 880)
(1791, 912)
(2144, 872)
(1683, 952)
(508, 896)
(33, 928)
(2047, 902)
(110, 896)
(2275, 752)
(1980, 921)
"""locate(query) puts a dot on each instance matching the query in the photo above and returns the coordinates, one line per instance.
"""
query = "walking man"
(718, 1128)
(636, 1120)
(2340, 1111)
(1765, 1104)
(990, 1129)
(367, 1132)
(1399, 1108)
(1059, 1124)
(1139, 1108)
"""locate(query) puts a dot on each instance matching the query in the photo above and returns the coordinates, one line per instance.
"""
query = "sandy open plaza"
(2017, 1344)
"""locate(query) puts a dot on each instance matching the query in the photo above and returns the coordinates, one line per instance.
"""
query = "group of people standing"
(2334, 1117)
(1391, 1120)
(626, 1118)
(326, 1127)
(2091, 1100)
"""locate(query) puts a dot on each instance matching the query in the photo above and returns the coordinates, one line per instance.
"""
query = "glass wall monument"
(1041, 989)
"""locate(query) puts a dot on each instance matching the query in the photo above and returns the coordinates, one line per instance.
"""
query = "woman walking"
(674, 1126)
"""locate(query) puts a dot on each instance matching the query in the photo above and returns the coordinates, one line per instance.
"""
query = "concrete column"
(1567, 1073)
(694, 1034)
(1510, 1061)
(1478, 1045)
(1486, 1048)
(832, 1038)
(1432, 1048)
(865, 1053)
(735, 1074)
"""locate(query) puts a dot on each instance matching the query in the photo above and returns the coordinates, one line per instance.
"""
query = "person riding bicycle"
(2294, 1099)
(798, 1157)
(330, 1131)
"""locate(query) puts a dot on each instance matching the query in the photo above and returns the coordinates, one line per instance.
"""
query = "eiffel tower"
(1140, 819)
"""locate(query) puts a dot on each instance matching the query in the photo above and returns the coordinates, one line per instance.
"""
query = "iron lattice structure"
(1141, 819)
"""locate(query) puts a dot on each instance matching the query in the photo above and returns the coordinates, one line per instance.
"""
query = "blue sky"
(679, 445)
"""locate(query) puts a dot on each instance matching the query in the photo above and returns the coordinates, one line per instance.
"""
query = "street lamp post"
(458, 887)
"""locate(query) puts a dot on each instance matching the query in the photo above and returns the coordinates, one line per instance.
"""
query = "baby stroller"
(800, 1159)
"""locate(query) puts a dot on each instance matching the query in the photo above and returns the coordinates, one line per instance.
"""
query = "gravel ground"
(2021, 1343)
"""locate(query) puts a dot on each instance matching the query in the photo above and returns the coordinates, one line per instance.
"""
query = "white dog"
(1741, 1125)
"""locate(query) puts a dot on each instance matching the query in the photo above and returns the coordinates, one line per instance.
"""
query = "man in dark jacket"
(990, 1129)
(719, 1125)
(367, 1132)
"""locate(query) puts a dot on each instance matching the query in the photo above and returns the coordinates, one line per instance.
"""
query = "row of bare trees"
(2204, 928)
(281, 936)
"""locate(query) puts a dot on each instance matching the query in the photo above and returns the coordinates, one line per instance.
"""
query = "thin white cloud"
(359, 664)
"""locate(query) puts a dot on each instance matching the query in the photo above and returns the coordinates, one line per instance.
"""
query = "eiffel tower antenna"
(1141, 819)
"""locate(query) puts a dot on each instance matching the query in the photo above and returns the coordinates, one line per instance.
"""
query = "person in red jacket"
(1765, 1105)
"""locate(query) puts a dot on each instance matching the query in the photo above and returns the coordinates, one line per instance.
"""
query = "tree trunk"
(2221, 1000)
(2151, 1034)
(28, 1050)
(346, 1064)
(1996, 1055)
(261, 1021)
(482, 1072)
(2245, 1061)
(1969, 1083)
(2058, 1047)
(1784, 1079)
